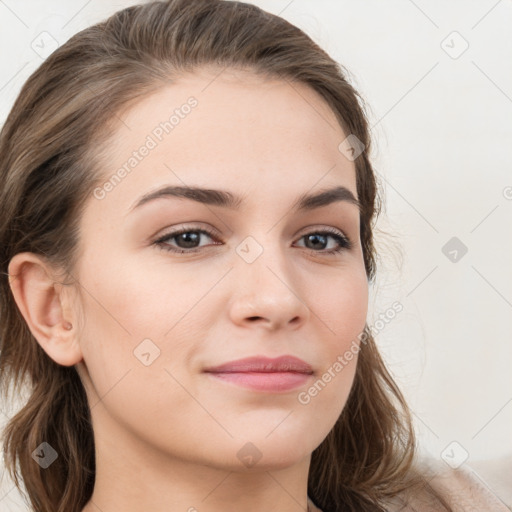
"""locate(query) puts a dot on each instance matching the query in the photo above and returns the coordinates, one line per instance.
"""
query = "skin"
(167, 434)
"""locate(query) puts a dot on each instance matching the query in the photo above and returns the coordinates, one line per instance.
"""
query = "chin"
(261, 453)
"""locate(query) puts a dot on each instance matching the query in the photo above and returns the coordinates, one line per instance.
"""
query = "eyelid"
(185, 228)
(214, 232)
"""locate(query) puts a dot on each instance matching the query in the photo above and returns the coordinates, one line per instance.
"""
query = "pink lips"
(264, 374)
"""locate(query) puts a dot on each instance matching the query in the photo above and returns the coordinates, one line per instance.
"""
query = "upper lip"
(262, 364)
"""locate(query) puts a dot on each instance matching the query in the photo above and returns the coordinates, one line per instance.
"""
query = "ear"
(45, 306)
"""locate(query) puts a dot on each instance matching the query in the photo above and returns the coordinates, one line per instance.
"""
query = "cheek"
(342, 306)
(343, 310)
(118, 309)
(126, 317)
(133, 316)
(128, 301)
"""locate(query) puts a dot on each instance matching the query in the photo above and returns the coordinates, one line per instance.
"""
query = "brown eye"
(187, 240)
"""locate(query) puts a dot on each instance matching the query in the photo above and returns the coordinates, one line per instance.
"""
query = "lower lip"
(265, 381)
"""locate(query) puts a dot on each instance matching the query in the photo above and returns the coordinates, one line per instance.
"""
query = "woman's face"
(253, 278)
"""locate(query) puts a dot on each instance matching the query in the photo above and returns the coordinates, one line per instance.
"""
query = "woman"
(166, 374)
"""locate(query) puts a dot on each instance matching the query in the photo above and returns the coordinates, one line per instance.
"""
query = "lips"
(263, 374)
(263, 365)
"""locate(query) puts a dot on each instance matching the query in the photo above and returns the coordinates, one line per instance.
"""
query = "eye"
(188, 238)
(319, 238)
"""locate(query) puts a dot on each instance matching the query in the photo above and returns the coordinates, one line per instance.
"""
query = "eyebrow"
(225, 199)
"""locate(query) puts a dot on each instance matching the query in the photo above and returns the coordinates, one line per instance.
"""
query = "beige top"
(464, 489)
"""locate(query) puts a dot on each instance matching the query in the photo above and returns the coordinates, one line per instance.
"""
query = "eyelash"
(343, 241)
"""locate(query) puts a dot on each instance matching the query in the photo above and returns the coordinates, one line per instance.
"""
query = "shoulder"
(464, 489)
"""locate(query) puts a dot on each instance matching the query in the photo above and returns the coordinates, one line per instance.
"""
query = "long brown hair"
(48, 156)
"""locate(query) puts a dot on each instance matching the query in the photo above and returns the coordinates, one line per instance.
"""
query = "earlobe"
(43, 302)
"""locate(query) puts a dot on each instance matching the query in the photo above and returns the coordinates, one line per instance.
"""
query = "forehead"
(227, 127)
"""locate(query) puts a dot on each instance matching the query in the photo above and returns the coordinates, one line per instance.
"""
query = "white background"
(442, 129)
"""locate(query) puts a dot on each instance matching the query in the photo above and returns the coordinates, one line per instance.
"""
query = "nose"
(267, 294)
